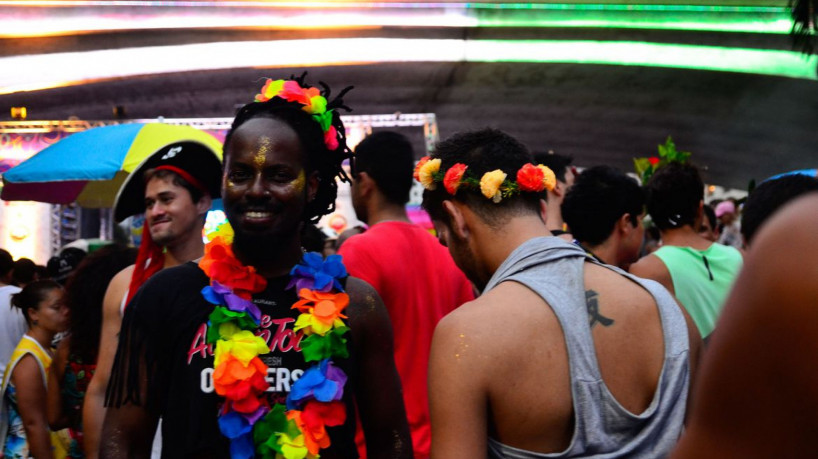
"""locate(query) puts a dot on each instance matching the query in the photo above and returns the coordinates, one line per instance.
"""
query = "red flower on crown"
(530, 178)
(453, 177)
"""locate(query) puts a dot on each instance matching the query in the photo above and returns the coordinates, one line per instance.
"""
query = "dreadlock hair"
(674, 192)
(85, 291)
(482, 151)
(328, 163)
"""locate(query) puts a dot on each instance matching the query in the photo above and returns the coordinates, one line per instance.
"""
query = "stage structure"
(38, 230)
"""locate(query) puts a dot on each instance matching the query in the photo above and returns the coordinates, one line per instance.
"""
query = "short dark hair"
(556, 162)
(6, 262)
(600, 196)
(25, 271)
(673, 195)
(328, 163)
(32, 295)
(771, 195)
(482, 151)
(388, 158)
(195, 193)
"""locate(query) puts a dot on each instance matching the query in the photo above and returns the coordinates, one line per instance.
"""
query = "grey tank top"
(553, 268)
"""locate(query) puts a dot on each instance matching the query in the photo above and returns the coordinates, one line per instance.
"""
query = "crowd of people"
(554, 312)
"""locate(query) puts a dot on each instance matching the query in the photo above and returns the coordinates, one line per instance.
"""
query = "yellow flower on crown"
(549, 179)
(427, 172)
(270, 89)
(490, 184)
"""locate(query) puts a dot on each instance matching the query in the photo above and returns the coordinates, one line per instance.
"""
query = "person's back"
(584, 391)
(12, 322)
(702, 279)
(697, 271)
(560, 356)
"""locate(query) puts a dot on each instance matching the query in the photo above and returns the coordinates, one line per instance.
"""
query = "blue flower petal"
(211, 296)
(242, 447)
(233, 425)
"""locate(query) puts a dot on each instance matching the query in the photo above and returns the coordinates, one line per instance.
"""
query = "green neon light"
(773, 20)
(756, 61)
(627, 7)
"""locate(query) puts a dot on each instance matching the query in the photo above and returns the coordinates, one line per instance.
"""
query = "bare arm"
(31, 402)
(378, 392)
(457, 399)
(57, 419)
(93, 411)
(129, 429)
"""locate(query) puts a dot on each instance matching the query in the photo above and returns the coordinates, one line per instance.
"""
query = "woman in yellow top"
(24, 430)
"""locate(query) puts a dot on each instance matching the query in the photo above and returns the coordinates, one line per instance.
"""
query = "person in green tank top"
(697, 271)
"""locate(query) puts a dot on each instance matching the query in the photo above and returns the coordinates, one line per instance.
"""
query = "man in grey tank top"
(560, 356)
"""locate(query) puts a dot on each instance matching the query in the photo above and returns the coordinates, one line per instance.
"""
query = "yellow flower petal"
(549, 179)
(244, 346)
(490, 184)
(426, 173)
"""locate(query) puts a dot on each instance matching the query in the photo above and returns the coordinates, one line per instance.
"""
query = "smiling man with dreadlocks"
(264, 350)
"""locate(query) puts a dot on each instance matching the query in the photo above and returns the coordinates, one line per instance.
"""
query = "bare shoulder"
(495, 321)
(651, 267)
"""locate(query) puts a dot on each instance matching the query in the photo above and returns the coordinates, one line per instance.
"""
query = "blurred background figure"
(76, 357)
(62, 265)
(769, 197)
(604, 211)
(730, 231)
(561, 165)
(25, 272)
(25, 380)
(709, 228)
(12, 323)
(755, 396)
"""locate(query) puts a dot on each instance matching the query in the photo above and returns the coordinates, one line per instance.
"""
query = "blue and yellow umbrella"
(90, 166)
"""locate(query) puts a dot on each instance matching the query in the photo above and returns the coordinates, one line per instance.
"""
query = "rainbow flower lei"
(296, 430)
(494, 185)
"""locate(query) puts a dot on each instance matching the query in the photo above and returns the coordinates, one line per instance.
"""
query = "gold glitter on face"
(263, 148)
(299, 182)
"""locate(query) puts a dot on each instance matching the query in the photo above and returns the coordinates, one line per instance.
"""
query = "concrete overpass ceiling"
(602, 81)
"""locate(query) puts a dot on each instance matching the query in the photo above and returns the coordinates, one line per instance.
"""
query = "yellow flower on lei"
(490, 184)
(223, 231)
(244, 346)
(549, 179)
(294, 448)
(427, 172)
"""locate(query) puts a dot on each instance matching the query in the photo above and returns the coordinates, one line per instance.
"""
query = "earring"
(36, 322)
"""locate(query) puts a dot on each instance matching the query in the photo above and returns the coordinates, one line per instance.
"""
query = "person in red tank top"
(413, 273)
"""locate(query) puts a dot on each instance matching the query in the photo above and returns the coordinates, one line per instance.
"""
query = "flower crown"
(494, 185)
(645, 167)
(312, 101)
